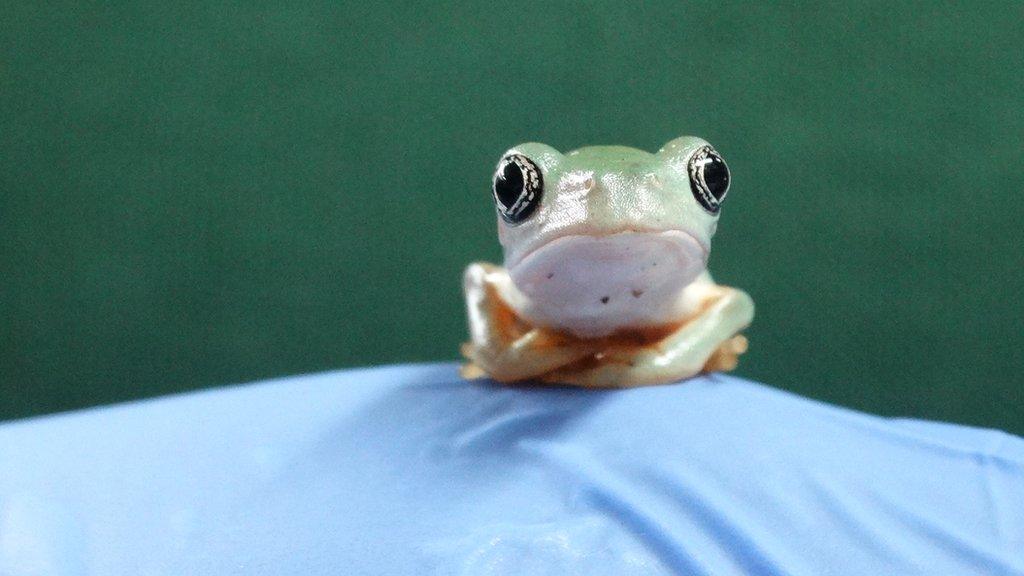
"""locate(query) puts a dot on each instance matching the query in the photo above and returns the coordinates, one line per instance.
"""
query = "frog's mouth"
(623, 237)
(594, 284)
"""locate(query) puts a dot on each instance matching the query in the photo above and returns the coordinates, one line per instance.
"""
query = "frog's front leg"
(501, 346)
(708, 341)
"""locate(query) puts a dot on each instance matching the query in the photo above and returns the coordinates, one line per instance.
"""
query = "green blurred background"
(196, 195)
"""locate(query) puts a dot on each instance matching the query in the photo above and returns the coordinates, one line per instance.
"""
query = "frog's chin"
(595, 285)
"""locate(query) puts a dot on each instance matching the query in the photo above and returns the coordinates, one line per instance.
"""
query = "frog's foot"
(527, 356)
(503, 347)
(727, 356)
(709, 341)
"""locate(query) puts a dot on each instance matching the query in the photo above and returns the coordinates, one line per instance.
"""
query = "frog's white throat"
(593, 286)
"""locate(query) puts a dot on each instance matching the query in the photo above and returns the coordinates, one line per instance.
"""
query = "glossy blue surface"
(410, 470)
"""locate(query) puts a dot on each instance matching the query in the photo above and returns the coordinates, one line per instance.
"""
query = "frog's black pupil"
(709, 178)
(517, 187)
(716, 176)
(508, 185)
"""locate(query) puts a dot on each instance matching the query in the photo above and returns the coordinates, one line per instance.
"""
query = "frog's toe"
(470, 371)
(738, 344)
(726, 357)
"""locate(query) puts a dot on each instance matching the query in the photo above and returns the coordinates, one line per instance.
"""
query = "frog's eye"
(709, 178)
(517, 188)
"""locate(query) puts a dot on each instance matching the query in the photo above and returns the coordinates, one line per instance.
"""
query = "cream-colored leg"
(709, 339)
(501, 347)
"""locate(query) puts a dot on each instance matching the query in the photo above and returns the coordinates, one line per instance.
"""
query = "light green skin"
(640, 191)
(605, 198)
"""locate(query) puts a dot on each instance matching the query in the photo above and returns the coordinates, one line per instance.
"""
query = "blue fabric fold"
(411, 470)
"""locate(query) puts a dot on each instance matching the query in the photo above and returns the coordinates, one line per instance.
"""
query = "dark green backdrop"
(196, 196)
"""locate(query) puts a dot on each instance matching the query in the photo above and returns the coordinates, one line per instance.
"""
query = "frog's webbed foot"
(501, 346)
(710, 341)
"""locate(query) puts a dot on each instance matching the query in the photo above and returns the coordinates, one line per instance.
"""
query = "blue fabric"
(410, 470)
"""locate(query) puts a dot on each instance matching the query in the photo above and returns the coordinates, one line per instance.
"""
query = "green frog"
(605, 280)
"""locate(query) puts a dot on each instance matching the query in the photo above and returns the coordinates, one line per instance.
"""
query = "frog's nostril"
(636, 293)
(605, 299)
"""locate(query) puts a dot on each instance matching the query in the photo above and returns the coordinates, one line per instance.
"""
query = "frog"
(604, 282)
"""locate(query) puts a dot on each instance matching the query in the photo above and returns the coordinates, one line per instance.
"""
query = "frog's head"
(608, 225)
